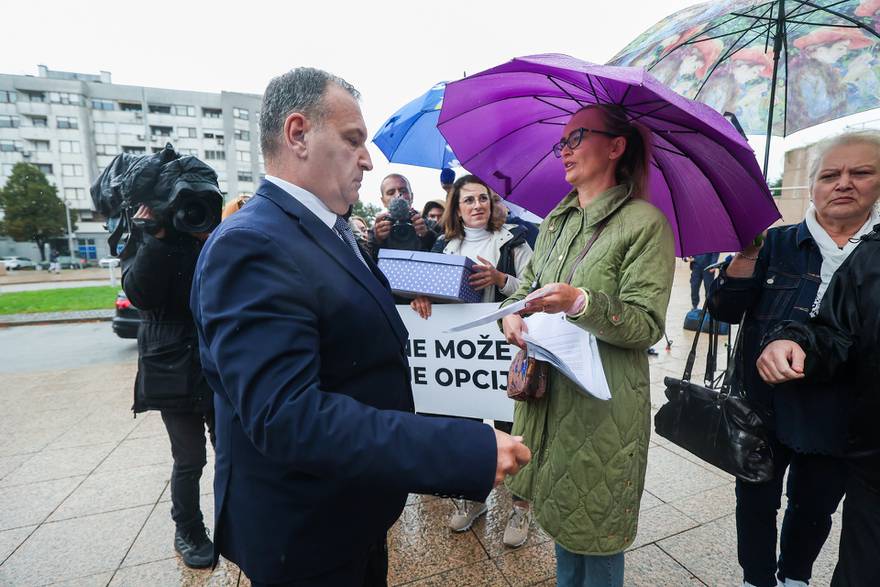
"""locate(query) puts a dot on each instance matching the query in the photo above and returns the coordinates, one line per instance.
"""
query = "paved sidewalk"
(84, 498)
(55, 317)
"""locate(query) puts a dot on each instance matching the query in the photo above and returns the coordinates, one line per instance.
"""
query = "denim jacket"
(807, 417)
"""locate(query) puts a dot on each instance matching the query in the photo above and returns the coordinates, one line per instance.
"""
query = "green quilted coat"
(589, 456)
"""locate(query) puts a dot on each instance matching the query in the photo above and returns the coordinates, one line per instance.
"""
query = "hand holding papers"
(572, 350)
(496, 315)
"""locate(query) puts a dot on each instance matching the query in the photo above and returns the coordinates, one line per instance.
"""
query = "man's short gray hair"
(299, 90)
(862, 137)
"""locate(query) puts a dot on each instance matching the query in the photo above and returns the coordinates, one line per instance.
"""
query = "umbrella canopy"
(503, 123)
(780, 65)
(411, 136)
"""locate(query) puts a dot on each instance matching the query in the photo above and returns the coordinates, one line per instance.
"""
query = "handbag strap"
(599, 228)
(692, 356)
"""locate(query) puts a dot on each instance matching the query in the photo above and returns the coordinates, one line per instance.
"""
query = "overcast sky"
(392, 51)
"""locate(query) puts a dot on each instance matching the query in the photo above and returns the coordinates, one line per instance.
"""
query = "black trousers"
(186, 430)
(369, 571)
(858, 561)
(815, 487)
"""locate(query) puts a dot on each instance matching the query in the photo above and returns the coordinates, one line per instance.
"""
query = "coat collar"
(606, 204)
(499, 237)
(327, 239)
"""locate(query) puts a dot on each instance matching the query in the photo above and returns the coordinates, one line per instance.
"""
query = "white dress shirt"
(309, 200)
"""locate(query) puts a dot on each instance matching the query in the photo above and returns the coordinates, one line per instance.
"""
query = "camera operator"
(158, 279)
(400, 226)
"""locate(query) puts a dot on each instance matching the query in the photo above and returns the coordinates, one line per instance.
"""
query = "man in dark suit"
(316, 446)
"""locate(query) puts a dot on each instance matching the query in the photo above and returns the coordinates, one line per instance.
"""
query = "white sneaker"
(465, 514)
(517, 531)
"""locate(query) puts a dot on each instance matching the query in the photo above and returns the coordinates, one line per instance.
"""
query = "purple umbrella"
(503, 122)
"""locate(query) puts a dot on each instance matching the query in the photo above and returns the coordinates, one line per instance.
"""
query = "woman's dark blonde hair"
(453, 227)
(633, 165)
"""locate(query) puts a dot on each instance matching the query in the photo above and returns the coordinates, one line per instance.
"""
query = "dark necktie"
(344, 229)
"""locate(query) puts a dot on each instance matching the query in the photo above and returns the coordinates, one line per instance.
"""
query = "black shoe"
(195, 548)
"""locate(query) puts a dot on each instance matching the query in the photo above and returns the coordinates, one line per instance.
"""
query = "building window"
(103, 105)
(73, 194)
(215, 155)
(106, 149)
(245, 176)
(240, 113)
(161, 131)
(134, 150)
(40, 146)
(8, 121)
(45, 168)
(186, 132)
(33, 96)
(69, 146)
(243, 156)
(183, 110)
(7, 146)
(66, 122)
(191, 152)
(70, 170)
(38, 121)
(212, 112)
(159, 109)
(243, 135)
(130, 107)
(107, 128)
(7, 96)
(65, 98)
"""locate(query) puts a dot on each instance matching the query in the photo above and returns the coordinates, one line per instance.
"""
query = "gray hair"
(299, 90)
(862, 137)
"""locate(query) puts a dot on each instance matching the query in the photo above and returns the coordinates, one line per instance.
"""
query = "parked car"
(108, 262)
(16, 263)
(127, 318)
(66, 262)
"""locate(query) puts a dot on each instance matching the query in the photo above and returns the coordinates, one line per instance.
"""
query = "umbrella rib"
(605, 89)
(728, 52)
(551, 104)
(674, 207)
(667, 149)
(824, 24)
(844, 17)
(532, 168)
(814, 10)
(733, 16)
(567, 93)
(644, 114)
(785, 85)
(502, 137)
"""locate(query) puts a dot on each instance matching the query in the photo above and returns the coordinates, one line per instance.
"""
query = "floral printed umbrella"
(779, 66)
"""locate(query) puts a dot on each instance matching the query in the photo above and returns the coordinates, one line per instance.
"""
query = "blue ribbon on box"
(435, 275)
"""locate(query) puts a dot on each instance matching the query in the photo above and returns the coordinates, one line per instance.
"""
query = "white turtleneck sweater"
(479, 242)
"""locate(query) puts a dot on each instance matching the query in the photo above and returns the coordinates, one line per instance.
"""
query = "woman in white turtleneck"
(473, 226)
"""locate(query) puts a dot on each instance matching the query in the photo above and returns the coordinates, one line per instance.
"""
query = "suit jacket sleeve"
(261, 324)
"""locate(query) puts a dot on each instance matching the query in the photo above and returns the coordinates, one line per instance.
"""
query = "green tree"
(366, 211)
(31, 208)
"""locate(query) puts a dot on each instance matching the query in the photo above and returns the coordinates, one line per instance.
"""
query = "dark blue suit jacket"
(316, 446)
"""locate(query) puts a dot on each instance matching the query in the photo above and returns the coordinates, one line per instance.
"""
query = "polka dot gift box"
(435, 275)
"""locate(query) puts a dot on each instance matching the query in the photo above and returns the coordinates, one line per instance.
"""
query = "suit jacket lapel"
(327, 239)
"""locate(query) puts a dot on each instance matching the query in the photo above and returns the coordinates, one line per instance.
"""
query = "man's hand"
(781, 361)
(146, 213)
(514, 326)
(512, 455)
(422, 306)
(486, 275)
(553, 298)
(419, 225)
(382, 227)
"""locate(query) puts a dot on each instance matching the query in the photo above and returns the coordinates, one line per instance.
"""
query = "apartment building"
(71, 125)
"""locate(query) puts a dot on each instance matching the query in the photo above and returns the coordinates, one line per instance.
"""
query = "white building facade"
(71, 125)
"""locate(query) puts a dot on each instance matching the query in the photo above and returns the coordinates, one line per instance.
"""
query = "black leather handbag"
(715, 422)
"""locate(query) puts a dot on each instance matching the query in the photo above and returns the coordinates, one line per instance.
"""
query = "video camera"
(403, 235)
(182, 192)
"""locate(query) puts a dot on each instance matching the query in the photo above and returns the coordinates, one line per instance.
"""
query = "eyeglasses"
(472, 200)
(573, 141)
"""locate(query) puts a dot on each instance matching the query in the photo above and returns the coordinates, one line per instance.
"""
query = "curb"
(45, 322)
(43, 318)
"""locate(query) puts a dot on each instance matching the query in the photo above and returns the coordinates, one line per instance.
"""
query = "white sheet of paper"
(569, 348)
(494, 316)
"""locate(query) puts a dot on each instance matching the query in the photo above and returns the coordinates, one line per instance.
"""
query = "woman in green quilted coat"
(589, 456)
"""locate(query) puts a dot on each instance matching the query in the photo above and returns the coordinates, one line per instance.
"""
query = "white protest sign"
(458, 373)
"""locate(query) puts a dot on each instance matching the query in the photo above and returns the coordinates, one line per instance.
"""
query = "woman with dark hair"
(473, 226)
(586, 481)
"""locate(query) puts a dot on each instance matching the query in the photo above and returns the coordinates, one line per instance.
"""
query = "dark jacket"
(373, 246)
(843, 347)
(505, 254)
(805, 416)
(306, 353)
(158, 280)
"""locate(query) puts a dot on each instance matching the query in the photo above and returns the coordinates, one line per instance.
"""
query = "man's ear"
(295, 127)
